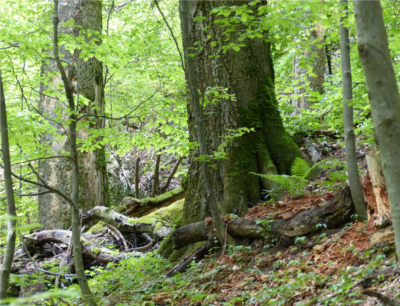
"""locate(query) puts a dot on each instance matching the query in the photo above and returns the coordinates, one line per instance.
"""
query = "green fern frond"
(300, 168)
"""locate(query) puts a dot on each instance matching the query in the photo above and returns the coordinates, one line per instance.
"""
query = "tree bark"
(334, 213)
(87, 79)
(137, 177)
(348, 123)
(76, 227)
(384, 98)
(11, 222)
(156, 181)
(248, 75)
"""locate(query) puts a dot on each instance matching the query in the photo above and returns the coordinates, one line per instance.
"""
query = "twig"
(172, 34)
(118, 233)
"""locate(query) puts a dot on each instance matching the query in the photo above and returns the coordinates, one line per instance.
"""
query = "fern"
(300, 168)
(294, 183)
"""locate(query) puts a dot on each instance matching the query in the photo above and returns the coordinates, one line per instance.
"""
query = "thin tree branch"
(172, 34)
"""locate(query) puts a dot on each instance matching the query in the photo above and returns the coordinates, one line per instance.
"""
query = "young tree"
(88, 84)
(9, 256)
(384, 98)
(357, 193)
(245, 81)
(72, 134)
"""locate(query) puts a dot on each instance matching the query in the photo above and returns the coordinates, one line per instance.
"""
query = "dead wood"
(132, 207)
(387, 301)
(332, 213)
(197, 255)
(92, 251)
(375, 192)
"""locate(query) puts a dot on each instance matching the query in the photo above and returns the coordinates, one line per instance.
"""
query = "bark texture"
(348, 123)
(87, 79)
(11, 213)
(334, 213)
(384, 98)
(247, 74)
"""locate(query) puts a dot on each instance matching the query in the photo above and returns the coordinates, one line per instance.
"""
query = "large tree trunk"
(247, 74)
(53, 211)
(383, 93)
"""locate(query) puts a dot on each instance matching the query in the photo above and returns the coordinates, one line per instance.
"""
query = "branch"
(172, 34)
(125, 116)
(50, 189)
(43, 158)
(171, 175)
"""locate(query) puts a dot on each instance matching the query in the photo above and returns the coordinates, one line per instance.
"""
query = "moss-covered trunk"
(248, 75)
(88, 82)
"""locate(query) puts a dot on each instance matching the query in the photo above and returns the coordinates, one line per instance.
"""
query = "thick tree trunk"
(53, 211)
(384, 98)
(11, 213)
(348, 123)
(247, 74)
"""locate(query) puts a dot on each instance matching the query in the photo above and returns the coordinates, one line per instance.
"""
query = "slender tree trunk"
(11, 222)
(75, 176)
(384, 98)
(171, 175)
(88, 83)
(156, 181)
(248, 75)
(357, 193)
(137, 177)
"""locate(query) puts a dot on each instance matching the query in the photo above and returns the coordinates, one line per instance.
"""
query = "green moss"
(170, 214)
(98, 228)
(166, 247)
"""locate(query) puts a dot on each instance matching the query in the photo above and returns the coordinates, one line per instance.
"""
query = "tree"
(316, 77)
(88, 85)
(241, 83)
(384, 98)
(73, 149)
(11, 213)
(348, 123)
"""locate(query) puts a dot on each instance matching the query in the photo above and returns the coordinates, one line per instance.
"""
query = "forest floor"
(333, 267)
(325, 269)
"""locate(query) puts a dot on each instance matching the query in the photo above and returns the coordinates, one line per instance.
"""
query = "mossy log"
(154, 223)
(133, 207)
(91, 251)
(333, 213)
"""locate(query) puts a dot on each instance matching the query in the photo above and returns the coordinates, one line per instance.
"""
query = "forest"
(200, 152)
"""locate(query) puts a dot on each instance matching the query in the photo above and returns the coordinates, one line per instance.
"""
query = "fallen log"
(133, 207)
(91, 250)
(154, 223)
(332, 213)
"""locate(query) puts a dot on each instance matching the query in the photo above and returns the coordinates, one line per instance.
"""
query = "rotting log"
(91, 251)
(132, 207)
(154, 223)
(332, 213)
